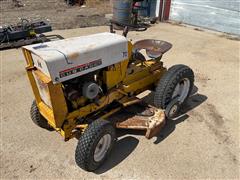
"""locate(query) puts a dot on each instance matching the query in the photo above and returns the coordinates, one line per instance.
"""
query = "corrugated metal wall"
(220, 15)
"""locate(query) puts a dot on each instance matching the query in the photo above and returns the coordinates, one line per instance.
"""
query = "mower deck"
(140, 116)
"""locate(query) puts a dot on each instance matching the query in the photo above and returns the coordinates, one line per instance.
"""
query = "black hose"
(3, 39)
(5, 36)
(134, 27)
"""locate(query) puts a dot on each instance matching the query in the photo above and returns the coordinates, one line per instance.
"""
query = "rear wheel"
(175, 85)
(95, 145)
(37, 118)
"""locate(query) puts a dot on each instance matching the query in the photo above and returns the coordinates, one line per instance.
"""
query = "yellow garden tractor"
(86, 87)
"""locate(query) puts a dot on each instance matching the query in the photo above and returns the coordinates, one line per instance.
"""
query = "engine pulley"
(90, 90)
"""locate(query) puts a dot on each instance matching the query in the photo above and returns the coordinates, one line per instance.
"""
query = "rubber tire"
(37, 118)
(167, 84)
(84, 154)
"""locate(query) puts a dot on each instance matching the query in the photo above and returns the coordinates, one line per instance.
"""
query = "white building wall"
(220, 15)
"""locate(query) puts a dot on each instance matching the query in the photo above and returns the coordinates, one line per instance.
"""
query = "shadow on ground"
(192, 102)
(122, 149)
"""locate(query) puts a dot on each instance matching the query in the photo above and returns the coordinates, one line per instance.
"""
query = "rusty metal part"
(129, 120)
(133, 123)
(154, 48)
(155, 124)
(147, 113)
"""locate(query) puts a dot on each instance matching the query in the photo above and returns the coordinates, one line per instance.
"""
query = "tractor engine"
(82, 90)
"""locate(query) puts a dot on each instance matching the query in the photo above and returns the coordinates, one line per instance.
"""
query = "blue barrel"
(122, 11)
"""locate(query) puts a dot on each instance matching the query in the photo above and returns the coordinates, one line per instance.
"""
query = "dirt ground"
(204, 143)
(56, 12)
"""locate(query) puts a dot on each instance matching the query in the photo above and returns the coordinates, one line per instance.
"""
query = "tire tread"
(37, 118)
(169, 81)
(83, 153)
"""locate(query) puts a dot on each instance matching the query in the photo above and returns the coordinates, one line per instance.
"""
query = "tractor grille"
(43, 90)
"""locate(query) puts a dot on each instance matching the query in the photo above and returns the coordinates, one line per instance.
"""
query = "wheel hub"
(173, 110)
(102, 147)
(181, 90)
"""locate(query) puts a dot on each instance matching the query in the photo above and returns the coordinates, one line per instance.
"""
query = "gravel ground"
(204, 143)
(56, 12)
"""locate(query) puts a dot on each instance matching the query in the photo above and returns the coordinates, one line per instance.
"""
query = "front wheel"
(176, 84)
(95, 145)
(37, 118)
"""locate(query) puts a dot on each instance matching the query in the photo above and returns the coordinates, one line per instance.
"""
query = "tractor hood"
(69, 58)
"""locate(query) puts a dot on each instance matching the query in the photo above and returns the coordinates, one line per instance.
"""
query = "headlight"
(43, 90)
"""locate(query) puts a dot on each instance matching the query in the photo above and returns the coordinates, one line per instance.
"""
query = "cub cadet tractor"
(87, 86)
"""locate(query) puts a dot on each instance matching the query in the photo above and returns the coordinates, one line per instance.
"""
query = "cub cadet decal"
(80, 68)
